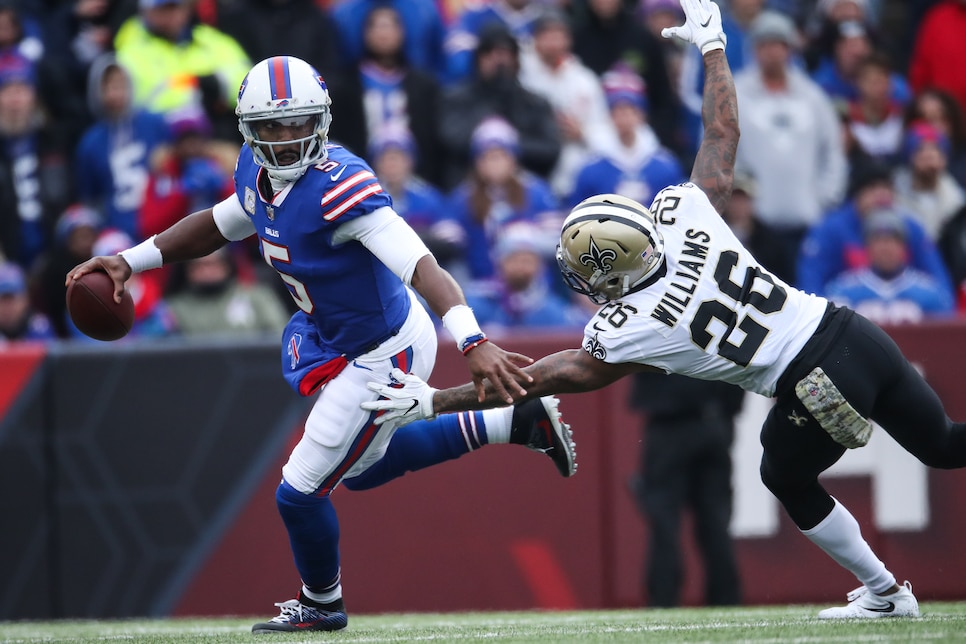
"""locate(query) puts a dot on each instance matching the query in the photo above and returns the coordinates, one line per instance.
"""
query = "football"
(90, 302)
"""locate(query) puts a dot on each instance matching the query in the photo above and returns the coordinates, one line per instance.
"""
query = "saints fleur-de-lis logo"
(595, 348)
(598, 259)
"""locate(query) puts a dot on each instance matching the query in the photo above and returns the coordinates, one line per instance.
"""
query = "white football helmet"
(287, 91)
(609, 244)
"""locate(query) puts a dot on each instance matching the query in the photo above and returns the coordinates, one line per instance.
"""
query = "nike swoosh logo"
(337, 175)
(887, 609)
(412, 407)
(706, 22)
(597, 328)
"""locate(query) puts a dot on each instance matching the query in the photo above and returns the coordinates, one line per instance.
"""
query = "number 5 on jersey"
(275, 255)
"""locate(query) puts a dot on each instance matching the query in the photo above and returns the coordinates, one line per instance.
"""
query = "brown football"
(90, 302)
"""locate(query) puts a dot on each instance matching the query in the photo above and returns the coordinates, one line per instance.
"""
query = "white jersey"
(714, 314)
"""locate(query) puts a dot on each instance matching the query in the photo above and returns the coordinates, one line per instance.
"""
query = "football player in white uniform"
(680, 294)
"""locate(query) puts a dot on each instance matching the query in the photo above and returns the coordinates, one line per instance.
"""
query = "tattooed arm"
(409, 398)
(714, 166)
(566, 372)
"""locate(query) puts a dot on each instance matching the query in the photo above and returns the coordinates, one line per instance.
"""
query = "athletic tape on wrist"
(144, 256)
(461, 324)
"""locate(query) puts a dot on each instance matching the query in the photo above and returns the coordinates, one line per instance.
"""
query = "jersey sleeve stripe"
(350, 181)
(354, 200)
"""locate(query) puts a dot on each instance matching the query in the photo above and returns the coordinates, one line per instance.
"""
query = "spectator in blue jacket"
(18, 321)
(837, 242)
(519, 296)
(497, 193)
(888, 291)
(111, 161)
(631, 160)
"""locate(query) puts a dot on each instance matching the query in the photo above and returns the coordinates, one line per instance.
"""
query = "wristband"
(472, 342)
(144, 256)
(461, 324)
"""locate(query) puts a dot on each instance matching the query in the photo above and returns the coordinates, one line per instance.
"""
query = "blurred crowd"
(486, 120)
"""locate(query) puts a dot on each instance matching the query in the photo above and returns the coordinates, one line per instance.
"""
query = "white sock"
(840, 537)
(497, 423)
(326, 597)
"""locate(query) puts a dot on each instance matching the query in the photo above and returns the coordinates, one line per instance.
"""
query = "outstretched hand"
(502, 368)
(702, 26)
(405, 399)
(115, 266)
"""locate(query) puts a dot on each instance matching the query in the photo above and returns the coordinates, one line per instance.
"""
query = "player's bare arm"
(488, 363)
(565, 372)
(714, 165)
(569, 371)
(194, 236)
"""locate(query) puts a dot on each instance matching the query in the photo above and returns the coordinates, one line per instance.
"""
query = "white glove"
(412, 401)
(702, 26)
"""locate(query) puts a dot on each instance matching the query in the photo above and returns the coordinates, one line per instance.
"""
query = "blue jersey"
(908, 297)
(112, 166)
(642, 183)
(349, 300)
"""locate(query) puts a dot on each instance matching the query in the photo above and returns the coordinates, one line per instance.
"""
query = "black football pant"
(870, 371)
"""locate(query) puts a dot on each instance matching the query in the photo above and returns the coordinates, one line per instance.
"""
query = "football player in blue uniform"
(327, 227)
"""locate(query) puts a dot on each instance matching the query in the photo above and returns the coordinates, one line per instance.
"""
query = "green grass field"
(941, 622)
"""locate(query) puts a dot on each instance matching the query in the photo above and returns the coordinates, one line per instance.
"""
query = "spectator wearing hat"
(35, 182)
(516, 17)
(394, 158)
(630, 159)
(176, 62)
(552, 71)
(495, 90)
(837, 242)
(111, 161)
(385, 88)
(753, 233)
(77, 229)
(923, 184)
(24, 35)
(839, 73)
(519, 295)
(888, 290)
(791, 139)
(421, 22)
(610, 33)
(940, 49)
(189, 176)
(152, 317)
(17, 320)
(496, 193)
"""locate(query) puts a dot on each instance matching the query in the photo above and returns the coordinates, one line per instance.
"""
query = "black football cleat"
(303, 614)
(537, 424)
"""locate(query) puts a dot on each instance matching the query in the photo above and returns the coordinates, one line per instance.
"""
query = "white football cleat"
(866, 604)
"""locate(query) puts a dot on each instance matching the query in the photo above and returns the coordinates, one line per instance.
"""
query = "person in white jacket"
(791, 139)
(551, 70)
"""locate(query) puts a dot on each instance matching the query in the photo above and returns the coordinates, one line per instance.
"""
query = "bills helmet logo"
(294, 344)
(241, 90)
